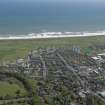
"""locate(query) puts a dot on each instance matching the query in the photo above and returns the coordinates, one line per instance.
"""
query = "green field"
(10, 89)
(13, 49)
(17, 103)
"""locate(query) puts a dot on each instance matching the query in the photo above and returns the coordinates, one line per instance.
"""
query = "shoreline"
(49, 35)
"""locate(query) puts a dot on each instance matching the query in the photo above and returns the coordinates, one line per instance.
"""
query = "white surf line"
(46, 35)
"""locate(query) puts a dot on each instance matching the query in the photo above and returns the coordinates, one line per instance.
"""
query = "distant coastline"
(45, 35)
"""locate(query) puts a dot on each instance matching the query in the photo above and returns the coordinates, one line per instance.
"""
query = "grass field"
(10, 89)
(20, 104)
(13, 49)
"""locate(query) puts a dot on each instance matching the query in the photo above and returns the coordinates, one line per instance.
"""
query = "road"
(69, 67)
(44, 68)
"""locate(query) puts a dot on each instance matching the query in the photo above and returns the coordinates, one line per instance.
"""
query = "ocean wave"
(52, 35)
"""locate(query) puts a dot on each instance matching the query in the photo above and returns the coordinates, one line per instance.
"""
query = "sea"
(24, 18)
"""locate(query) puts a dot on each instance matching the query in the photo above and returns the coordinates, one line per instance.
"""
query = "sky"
(70, 1)
(58, 0)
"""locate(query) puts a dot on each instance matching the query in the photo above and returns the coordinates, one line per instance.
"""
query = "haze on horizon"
(52, 0)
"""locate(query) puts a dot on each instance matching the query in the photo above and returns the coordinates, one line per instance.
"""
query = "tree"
(18, 93)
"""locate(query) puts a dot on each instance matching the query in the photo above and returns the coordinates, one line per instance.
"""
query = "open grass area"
(20, 104)
(10, 89)
(13, 49)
